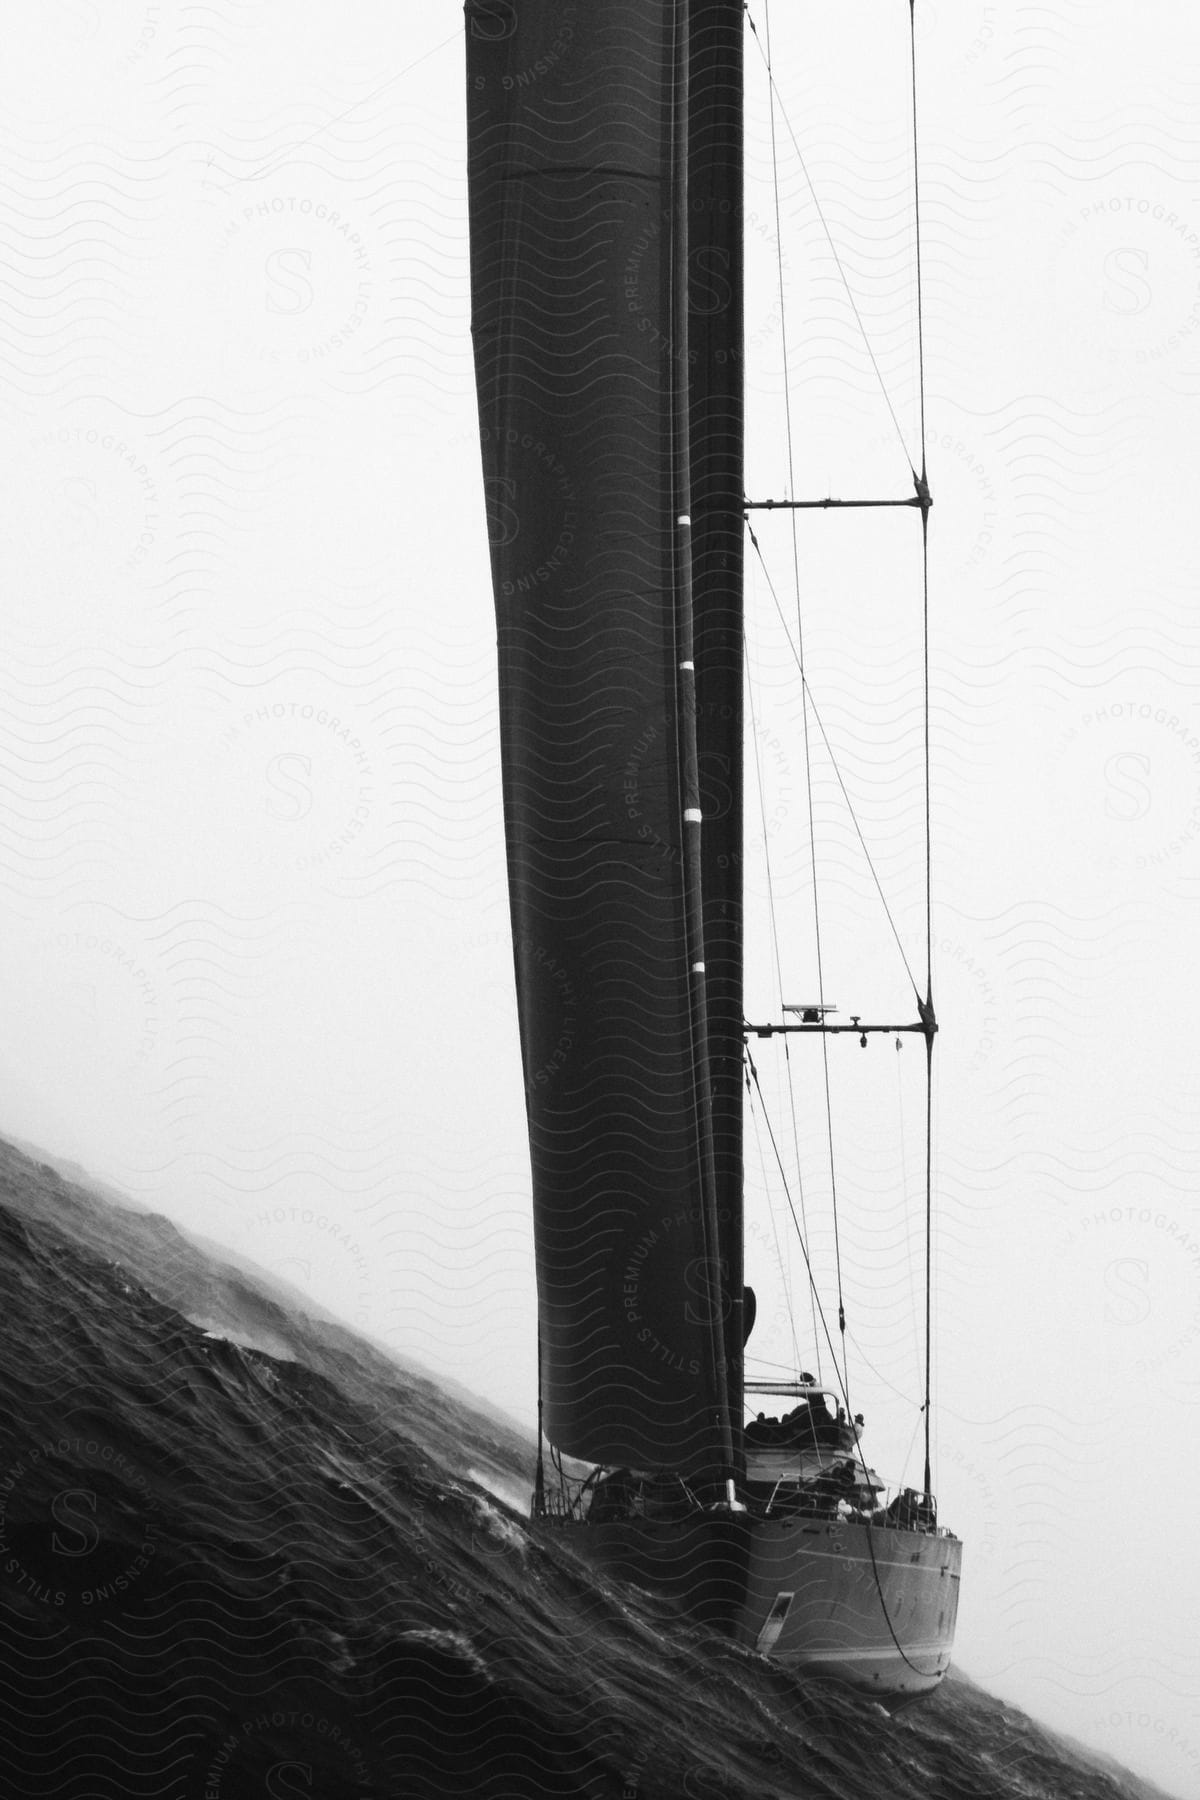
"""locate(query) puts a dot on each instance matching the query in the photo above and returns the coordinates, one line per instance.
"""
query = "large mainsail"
(579, 201)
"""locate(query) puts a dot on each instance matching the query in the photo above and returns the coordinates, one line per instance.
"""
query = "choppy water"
(243, 1553)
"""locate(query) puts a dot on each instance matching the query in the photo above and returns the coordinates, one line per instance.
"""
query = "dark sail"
(579, 202)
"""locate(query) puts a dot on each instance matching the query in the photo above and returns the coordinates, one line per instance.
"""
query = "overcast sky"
(255, 957)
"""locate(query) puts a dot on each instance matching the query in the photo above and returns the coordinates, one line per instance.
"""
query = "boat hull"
(872, 1606)
(869, 1605)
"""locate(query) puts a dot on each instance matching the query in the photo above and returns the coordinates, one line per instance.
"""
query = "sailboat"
(605, 191)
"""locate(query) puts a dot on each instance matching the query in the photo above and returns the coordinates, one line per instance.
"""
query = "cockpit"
(816, 1420)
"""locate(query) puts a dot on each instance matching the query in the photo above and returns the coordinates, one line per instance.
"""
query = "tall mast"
(707, 368)
(704, 1278)
(715, 334)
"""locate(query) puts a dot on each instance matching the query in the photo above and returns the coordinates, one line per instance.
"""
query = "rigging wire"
(908, 1453)
(773, 93)
(786, 1368)
(784, 1278)
(834, 763)
(791, 1092)
(840, 1375)
(909, 1247)
(862, 1357)
(912, 46)
(927, 1013)
(812, 836)
(762, 805)
(860, 1354)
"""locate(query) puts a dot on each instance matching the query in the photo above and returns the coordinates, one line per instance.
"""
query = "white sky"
(255, 956)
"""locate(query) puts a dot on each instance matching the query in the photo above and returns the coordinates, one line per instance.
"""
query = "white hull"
(870, 1605)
